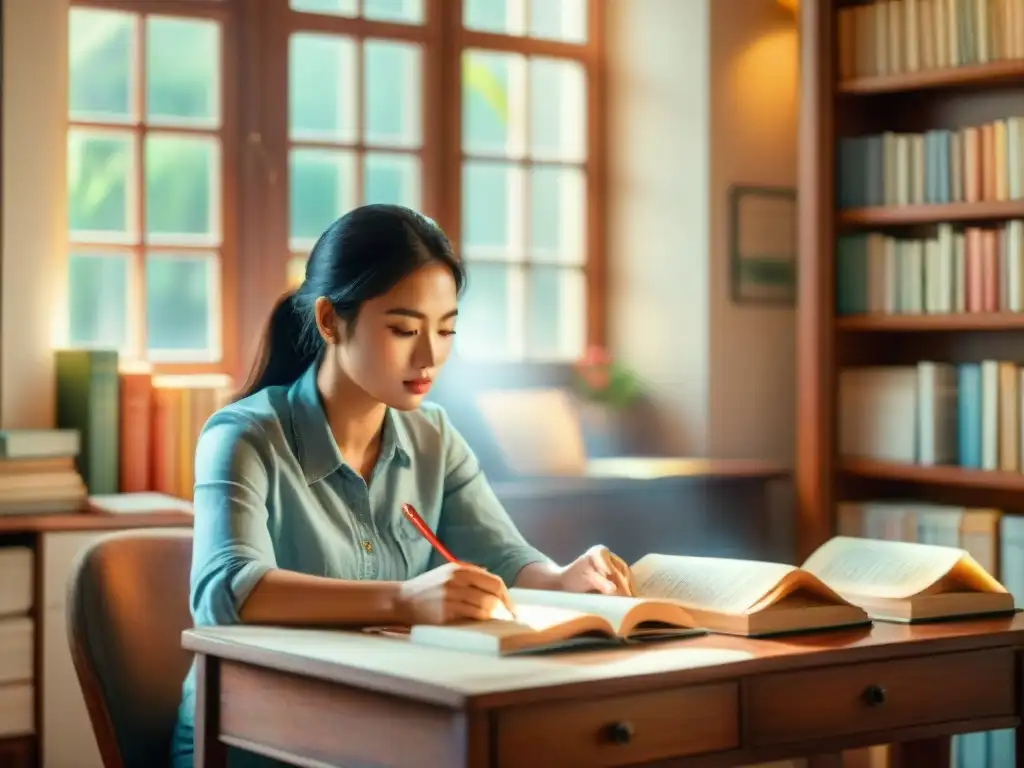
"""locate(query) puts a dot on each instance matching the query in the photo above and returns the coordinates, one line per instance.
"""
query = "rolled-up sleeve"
(474, 525)
(232, 548)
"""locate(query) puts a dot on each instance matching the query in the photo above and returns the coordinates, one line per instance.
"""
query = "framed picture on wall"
(762, 244)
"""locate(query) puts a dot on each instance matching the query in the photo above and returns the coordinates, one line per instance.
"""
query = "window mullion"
(138, 313)
(447, 117)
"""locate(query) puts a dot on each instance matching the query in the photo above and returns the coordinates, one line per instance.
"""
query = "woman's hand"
(453, 592)
(596, 570)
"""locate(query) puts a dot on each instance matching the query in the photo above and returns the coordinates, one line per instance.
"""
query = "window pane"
(322, 188)
(391, 84)
(493, 89)
(406, 11)
(331, 7)
(488, 324)
(98, 299)
(558, 215)
(101, 51)
(507, 17)
(182, 301)
(322, 72)
(391, 178)
(558, 110)
(101, 185)
(556, 315)
(564, 20)
(182, 188)
(180, 89)
(492, 210)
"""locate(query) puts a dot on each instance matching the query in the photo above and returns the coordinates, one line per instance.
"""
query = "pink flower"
(596, 355)
(594, 368)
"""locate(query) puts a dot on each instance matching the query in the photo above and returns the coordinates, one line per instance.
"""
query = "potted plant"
(606, 388)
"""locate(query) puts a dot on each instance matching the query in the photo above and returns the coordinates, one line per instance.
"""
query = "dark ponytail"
(362, 255)
(283, 352)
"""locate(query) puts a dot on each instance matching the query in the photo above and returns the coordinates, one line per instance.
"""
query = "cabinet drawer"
(16, 649)
(621, 730)
(17, 709)
(860, 698)
(16, 580)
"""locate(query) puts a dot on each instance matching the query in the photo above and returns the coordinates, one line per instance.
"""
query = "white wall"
(755, 64)
(34, 206)
(658, 176)
(702, 96)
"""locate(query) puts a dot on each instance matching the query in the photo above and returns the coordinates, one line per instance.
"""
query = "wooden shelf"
(965, 321)
(91, 520)
(930, 214)
(942, 475)
(954, 77)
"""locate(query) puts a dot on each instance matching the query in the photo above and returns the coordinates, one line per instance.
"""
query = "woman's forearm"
(539, 576)
(291, 598)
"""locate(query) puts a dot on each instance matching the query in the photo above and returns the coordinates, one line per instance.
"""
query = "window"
(150, 240)
(284, 114)
(524, 179)
(355, 112)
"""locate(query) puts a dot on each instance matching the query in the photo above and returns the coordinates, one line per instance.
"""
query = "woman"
(299, 484)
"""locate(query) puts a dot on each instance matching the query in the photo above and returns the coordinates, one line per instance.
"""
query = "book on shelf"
(894, 37)
(969, 269)
(908, 582)
(931, 413)
(975, 164)
(673, 595)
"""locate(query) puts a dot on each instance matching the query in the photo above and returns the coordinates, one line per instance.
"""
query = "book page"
(882, 569)
(529, 618)
(532, 604)
(707, 583)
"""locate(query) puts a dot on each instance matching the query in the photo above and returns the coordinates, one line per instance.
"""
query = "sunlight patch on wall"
(765, 79)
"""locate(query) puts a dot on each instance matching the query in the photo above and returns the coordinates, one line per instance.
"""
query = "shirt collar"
(316, 449)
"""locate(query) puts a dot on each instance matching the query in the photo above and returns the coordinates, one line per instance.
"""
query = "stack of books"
(38, 472)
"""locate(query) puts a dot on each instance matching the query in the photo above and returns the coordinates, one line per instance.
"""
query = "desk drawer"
(621, 730)
(860, 698)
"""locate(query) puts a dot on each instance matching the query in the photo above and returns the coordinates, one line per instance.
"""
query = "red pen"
(414, 517)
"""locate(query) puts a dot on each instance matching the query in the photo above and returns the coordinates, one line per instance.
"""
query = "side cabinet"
(68, 740)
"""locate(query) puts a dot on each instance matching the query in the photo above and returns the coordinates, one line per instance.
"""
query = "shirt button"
(368, 546)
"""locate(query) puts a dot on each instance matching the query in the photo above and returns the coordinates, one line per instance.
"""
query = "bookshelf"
(841, 98)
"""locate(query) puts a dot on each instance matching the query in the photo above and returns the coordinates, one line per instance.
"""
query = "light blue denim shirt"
(273, 491)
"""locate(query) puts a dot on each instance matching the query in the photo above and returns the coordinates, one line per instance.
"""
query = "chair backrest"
(127, 607)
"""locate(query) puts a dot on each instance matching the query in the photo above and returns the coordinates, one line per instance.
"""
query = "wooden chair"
(127, 607)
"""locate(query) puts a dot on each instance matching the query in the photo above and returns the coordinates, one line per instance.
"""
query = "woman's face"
(401, 339)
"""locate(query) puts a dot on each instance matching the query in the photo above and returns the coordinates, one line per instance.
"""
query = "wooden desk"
(338, 698)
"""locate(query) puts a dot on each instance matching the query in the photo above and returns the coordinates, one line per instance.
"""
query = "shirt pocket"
(416, 550)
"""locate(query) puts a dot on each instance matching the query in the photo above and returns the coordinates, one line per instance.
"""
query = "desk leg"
(210, 751)
(933, 753)
(1019, 748)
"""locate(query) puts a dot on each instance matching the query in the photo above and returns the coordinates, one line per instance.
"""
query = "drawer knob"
(620, 733)
(874, 695)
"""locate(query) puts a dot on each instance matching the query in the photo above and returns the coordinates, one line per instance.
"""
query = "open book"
(905, 581)
(547, 620)
(673, 595)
